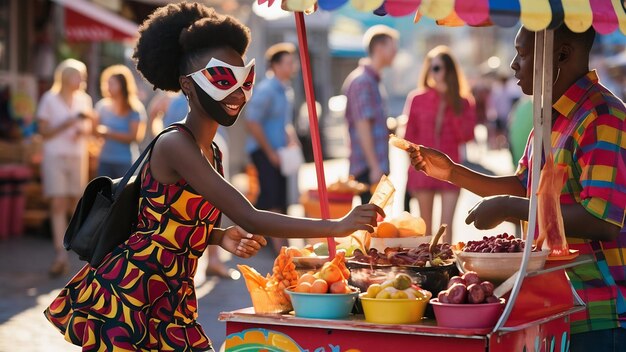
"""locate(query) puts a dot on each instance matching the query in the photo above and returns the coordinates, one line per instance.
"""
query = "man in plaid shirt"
(365, 110)
(589, 138)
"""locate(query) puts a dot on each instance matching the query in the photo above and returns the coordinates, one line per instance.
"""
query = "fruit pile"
(331, 278)
(268, 293)
(400, 287)
(502, 243)
(404, 225)
(418, 256)
(468, 288)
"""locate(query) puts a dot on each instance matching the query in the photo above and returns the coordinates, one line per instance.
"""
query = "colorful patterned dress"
(142, 296)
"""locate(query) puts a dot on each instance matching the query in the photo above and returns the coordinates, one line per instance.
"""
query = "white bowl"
(497, 267)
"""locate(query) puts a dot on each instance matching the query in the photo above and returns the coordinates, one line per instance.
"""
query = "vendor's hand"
(488, 213)
(241, 243)
(432, 162)
(363, 217)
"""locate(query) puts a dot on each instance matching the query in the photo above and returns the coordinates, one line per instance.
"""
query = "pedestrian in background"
(64, 120)
(142, 296)
(269, 118)
(365, 108)
(120, 121)
(441, 114)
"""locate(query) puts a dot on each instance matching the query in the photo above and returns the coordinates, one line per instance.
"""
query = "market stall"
(534, 316)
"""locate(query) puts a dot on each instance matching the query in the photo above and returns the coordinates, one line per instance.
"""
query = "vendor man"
(589, 138)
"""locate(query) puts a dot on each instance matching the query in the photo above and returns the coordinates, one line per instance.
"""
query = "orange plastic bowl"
(469, 316)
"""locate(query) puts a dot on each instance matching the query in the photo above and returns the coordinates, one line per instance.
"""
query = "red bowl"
(469, 316)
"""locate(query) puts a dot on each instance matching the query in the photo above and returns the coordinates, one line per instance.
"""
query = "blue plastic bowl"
(322, 305)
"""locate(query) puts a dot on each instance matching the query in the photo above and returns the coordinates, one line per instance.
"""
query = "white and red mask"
(219, 79)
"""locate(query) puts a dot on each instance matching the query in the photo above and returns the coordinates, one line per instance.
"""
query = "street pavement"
(26, 289)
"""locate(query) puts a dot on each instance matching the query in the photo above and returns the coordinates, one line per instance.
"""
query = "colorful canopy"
(605, 16)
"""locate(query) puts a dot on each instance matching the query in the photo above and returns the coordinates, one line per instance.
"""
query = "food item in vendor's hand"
(502, 243)
(471, 277)
(549, 215)
(457, 294)
(401, 142)
(385, 230)
(475, 294)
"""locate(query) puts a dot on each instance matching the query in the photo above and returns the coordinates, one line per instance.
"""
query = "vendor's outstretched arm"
(578, 221)
(438, 165)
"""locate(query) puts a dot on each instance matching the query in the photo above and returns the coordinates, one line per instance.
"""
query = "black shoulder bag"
(106, 214)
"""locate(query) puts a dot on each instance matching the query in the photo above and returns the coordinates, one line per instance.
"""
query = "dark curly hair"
(173, 35)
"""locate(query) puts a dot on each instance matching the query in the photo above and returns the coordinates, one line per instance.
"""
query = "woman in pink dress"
(441, 114)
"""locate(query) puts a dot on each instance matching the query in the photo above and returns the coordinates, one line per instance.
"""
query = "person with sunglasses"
(142, 296)
(440, 114)
(365, 108)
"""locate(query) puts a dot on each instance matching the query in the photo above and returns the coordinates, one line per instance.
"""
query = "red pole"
(313, 125)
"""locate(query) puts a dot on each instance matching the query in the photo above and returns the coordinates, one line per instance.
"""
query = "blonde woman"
(442, 115)
(63, 117)
(120, 118)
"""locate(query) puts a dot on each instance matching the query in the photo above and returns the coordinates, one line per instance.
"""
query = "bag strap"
(141, 158)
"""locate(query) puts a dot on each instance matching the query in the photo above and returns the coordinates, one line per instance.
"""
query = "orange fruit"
(303, 287)
(340, 287)
(306, 278)
(319, 286)
(386, 230)
(330, 273)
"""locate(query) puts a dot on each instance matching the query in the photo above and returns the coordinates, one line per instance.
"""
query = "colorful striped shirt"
(589, 138)
(365, 102)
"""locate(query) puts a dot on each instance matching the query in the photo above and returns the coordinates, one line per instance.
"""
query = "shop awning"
(606, 16)
(86, 22)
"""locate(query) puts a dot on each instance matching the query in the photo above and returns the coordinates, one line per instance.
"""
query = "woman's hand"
(489, 212)
(241, 243)
(432, 162)
(363, 217)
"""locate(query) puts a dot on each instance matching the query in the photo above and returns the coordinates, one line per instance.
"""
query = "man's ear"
(564, 53)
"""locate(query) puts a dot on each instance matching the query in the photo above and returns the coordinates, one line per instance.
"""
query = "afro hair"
(173, 33)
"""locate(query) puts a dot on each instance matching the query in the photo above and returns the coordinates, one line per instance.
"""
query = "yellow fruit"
(400, 295)
(374, 289)
(383, 295)
(402, 281)
(387, 283)
(386, 230)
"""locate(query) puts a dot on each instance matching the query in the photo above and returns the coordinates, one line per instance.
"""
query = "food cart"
(536, 314)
